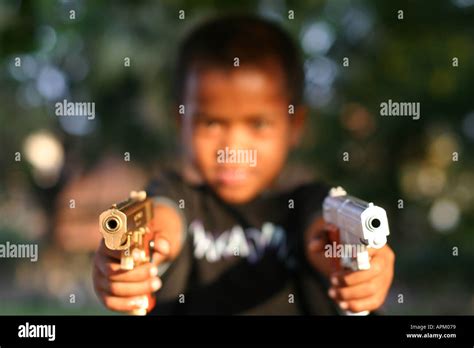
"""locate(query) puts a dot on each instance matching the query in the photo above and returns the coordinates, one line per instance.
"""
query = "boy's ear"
(298, 120)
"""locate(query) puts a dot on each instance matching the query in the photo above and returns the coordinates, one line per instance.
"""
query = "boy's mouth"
(232, 176)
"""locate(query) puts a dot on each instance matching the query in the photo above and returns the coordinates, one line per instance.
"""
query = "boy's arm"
(169, 226)
(355, 291)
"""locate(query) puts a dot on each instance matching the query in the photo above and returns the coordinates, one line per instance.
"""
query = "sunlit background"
(58, 173)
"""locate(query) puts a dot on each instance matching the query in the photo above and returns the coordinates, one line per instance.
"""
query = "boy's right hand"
(126, 290)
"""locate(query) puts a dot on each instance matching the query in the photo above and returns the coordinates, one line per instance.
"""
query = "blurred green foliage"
(409, 59)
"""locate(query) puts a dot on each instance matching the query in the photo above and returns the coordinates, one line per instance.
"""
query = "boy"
(230, 239)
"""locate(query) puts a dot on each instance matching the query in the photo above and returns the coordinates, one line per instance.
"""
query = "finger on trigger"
(350, 278)
(139, 273)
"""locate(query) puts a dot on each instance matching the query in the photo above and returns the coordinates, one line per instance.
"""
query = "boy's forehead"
(235, 86)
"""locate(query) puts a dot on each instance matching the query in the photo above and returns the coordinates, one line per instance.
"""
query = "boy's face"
(237, 128)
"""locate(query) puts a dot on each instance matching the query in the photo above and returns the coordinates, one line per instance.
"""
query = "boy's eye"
(208, 123)
(259, 124)
(211, 123)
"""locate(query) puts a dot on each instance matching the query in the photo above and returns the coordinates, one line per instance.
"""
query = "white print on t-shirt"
(250, 243)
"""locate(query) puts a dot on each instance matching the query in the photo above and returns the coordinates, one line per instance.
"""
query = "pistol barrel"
(118, 222)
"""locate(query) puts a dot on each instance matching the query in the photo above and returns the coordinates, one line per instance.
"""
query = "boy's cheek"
(204, 150)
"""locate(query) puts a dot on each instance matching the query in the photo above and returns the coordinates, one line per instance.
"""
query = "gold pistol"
(124, 227)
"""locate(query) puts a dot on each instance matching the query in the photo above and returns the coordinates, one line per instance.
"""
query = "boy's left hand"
(355, 291)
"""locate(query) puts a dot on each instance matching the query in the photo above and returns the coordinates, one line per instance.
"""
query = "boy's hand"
(126, 290)
(355, 291)
(122, 290)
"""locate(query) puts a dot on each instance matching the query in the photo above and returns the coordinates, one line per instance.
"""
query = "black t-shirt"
(241, 259)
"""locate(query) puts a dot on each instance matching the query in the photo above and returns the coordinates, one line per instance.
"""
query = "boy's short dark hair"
(250, 38)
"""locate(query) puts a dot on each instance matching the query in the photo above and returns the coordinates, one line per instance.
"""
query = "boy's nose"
(235, 138)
